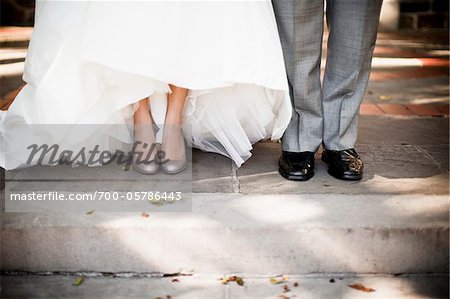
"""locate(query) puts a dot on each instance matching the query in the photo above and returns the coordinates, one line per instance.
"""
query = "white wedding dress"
(90, 61)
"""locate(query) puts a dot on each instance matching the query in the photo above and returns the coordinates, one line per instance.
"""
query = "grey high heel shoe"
(176, 166)
(145, 167)
(144, 150)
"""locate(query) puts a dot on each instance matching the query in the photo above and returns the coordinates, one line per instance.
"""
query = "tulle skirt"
(89, 62)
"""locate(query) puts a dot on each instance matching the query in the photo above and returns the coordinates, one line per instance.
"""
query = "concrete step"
(209, 287)
(401, 155)
(257, 234)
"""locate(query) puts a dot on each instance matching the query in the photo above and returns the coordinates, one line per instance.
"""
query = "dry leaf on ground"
(278, 279)
(384, 97)
(239, 280)
(362, 288)
(78, 281)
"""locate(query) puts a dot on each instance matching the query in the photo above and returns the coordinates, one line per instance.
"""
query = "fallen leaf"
(278, 279)
(90, 212)
(78, 281)
(273, 280)
(283, 297)
(239, 280)
(168, 297)
(295, 284)
(286, 289)
(175, 280)
(384, 97)
(145, 215)
(362, 288)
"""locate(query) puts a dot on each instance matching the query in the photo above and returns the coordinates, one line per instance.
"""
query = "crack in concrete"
(430, 157)
(215, 275)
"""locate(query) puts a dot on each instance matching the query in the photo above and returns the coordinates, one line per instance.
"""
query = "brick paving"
(408, 73)
(405, 110)
(394, 109)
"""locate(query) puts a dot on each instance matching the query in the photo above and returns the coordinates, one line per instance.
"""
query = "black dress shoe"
(296, 166)
(344, 165)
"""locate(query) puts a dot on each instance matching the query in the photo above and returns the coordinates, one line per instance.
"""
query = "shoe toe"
(300, 172)
(143, 168)
(174, 167)
(296, 167)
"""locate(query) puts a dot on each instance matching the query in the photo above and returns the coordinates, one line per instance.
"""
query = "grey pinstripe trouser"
(326, 113)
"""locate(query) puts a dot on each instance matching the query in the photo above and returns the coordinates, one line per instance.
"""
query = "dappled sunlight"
(325, 252)
(173, 220)
(287, 211)
(174, 242)
(422, 101)
(435, 211)
(383, 62)
(436, 184)
(313, 242)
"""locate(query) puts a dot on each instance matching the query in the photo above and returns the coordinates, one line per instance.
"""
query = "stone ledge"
(257, 234)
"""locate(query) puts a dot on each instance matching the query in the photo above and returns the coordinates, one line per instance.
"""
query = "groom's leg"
(353, 26)
(300, 23)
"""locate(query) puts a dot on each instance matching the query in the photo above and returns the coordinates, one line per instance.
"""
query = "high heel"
(175, 166)
(143, 150)
(145, 167)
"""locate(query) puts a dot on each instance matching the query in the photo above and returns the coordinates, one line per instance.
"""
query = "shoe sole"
(294, 177)
(146, 172)
(346, 177)
(174, 172)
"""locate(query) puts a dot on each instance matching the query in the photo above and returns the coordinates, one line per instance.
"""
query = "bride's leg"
(142, 114)
(175, 105)
(145, 141)
(173, 141)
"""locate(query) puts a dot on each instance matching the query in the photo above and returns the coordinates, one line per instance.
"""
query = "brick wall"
(424, 14)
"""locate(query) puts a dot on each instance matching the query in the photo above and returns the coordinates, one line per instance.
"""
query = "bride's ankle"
(173, 142)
